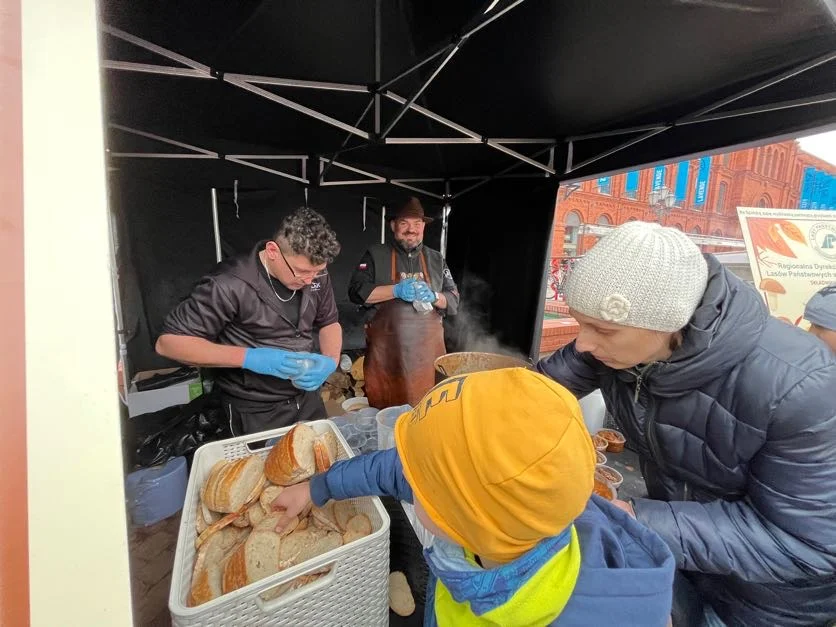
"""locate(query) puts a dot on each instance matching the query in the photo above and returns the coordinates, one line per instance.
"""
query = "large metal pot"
(453, 364)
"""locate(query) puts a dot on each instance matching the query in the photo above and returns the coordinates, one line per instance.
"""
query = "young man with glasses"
(253, 319)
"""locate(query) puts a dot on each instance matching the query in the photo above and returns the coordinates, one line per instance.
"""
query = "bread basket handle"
(272, 606)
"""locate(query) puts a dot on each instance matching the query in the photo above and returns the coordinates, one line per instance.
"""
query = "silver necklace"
(272, 287)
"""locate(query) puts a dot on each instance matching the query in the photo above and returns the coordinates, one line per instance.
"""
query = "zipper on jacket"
(649, 435)
(639, 378)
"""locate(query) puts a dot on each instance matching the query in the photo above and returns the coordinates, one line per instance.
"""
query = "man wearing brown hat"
(405, 269)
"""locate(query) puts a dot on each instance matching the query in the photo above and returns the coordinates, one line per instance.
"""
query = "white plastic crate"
(355, 592)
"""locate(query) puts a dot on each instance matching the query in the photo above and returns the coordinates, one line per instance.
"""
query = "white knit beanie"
(640, 275)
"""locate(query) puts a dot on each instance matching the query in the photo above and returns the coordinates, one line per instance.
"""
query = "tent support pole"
(800, 69)
(378, 33)
(618, 148)
(408, 104)
(290, 104)
(776, 106)
(342, 147)
(445, 215)
(472, 30)
(216, 225)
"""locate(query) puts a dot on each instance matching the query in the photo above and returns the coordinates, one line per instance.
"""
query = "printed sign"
(792, 255)
(701, 191)
(658, 177)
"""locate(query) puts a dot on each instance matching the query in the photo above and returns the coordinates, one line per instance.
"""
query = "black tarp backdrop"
(167, 240)
(544, 69)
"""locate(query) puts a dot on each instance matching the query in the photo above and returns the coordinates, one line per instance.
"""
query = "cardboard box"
(148, 401)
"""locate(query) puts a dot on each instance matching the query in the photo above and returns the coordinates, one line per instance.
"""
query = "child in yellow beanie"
(499, 466)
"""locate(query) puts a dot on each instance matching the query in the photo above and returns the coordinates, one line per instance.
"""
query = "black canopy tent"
(479, 107)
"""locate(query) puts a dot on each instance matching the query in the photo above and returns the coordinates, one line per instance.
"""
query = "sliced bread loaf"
(291, 460)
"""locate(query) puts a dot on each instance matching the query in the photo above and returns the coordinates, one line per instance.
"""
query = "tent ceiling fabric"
(544, 69)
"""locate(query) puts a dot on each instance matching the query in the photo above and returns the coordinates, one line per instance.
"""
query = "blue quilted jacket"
(737, 436)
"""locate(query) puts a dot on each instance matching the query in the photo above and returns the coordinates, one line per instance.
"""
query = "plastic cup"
(386, 419)
(366, 424)
(357, 441)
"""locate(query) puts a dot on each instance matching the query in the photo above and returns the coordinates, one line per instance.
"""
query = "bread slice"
(204, 583)
(291, 460)
(343, 512)
(400, 596)
(211, 488)
(270, 522)
(262, 554)
(331, 443)
(360, 524)
(322, 458)
(301, 546)
(235, 570)
(199, 524)
(231, 537)
(293, 584)
(255, 514)
(268, 495)
(238, 484)
(325, 517)
(242, 521)
(209, 517)
(207, 490)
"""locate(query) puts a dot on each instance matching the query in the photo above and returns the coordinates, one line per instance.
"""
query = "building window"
(781, 166)
(678, 226)
(631, 185)
(768, 170)
(727, 160)
(605, 185)
(570, 238)
(696, 230)
(604, 219)
(718, 233)
(720, 205)
(762, 203)
(759, 161)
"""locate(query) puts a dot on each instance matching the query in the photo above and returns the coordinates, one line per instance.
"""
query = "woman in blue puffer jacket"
(733, 414)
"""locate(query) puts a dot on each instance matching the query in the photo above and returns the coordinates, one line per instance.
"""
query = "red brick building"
(768, 176)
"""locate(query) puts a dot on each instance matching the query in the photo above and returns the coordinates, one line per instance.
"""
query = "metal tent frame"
(381, 135)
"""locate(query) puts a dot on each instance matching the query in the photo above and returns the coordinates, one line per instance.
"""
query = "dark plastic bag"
(178, 431)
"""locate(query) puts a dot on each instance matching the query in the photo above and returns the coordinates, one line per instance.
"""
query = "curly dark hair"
(305, 232)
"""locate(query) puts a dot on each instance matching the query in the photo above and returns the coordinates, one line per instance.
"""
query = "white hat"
(640, 275)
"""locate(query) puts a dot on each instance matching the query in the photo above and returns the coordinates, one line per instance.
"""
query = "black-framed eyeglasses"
(301, 274)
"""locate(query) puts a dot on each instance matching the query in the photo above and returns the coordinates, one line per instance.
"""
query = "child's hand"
(293, 500)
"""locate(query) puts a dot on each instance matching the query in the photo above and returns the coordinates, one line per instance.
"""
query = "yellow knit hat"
(498, 459)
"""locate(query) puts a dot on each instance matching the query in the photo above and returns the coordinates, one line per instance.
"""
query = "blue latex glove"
(423, 293)
(405, 290)
(316, 374)
(272, 361)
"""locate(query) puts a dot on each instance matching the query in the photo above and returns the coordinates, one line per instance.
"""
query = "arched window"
(570, 238)
(759, 161)
(768, 170)
(779, 170)
(763, 202)
(604, 219)
(678, 226)
(718, 233)
(726, 159)
(696, 230)
(720, 205)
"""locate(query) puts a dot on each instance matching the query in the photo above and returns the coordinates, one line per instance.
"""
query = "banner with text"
(701, 189)
(792, 255)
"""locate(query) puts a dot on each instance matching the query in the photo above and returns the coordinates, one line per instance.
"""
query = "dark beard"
(407, 248)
